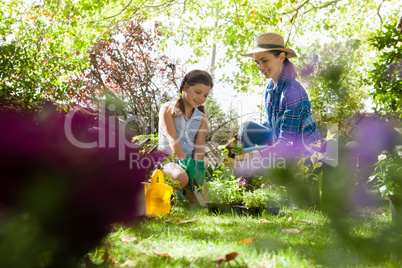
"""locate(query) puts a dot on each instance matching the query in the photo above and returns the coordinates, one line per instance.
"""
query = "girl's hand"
(188, 165)
(199, 179)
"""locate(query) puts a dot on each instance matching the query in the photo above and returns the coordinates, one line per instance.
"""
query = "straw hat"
(270, 41)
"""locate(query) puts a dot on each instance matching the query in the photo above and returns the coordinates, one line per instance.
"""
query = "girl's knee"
(183, 179)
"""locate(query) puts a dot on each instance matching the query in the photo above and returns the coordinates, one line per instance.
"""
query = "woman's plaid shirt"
(289, 112)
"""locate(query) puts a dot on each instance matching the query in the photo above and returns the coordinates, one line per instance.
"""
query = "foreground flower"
(243, 183)
(68, 195)
(382, 157)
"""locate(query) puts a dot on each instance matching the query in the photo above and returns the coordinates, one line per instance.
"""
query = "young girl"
(182, 130)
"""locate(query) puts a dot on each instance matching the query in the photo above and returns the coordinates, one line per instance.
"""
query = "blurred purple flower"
(74, 194)
(373, 136)
(307, 69)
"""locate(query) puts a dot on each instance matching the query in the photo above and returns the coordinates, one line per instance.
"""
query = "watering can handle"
(157, 173)
(148, 202)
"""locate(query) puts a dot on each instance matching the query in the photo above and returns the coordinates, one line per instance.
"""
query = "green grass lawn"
(163, 242)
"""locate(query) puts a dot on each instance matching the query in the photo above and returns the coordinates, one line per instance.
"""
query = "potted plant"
(255, 201)
(275, 194)
(387, 178)
(266, 198)
(224, 190)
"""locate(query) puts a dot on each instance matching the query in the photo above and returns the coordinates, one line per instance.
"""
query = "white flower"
(400, 153)
(382, 157)
(382, 189)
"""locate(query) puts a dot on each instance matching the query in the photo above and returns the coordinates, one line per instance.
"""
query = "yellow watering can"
(157, 195)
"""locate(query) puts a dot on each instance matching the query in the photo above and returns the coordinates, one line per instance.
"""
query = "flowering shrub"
(129, 70)
(387, 175)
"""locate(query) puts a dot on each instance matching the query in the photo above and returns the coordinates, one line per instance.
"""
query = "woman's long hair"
(288, 67)
(190, 79)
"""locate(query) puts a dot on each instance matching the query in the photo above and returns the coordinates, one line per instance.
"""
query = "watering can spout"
(157, 195)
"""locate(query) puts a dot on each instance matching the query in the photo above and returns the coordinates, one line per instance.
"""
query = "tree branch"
(322, 6)
(293, 24)
(297, 9)
(399, 25)
(378, 11)
(164, 4)
(121, 11)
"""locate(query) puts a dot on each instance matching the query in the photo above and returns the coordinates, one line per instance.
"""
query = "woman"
(182, 130)
(290, 126)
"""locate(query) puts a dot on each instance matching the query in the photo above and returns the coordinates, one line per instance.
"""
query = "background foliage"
(332, 39)
(386, 73)
(45, 43)
(334, 82)
(42, 43)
